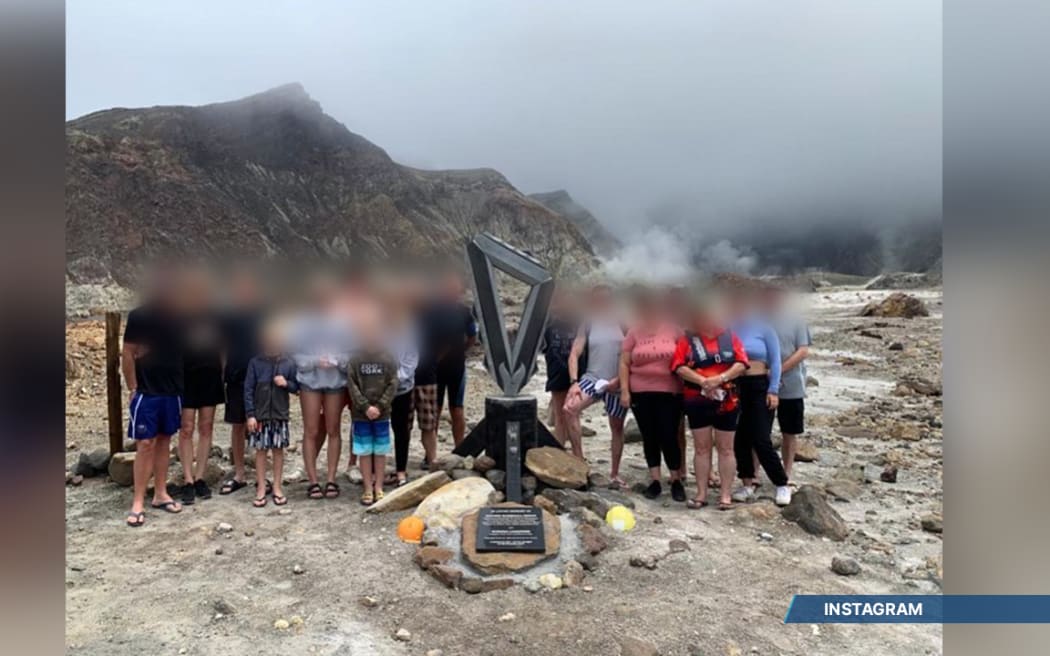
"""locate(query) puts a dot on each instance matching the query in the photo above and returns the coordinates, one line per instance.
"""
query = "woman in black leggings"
(406, 349)
(653, 391)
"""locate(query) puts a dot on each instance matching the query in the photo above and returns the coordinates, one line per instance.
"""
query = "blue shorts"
(154, 415)
(371, 438)
(611, 400)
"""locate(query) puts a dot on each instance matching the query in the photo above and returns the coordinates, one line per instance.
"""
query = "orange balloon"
(410, 529)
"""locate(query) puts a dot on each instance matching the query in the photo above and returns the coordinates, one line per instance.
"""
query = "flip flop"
(231, 486)
(168, 507)
(314, 491)
(619, 482)
(725, 506)
(260, 502)
(331, 491)
(279, 500)
(367, 499)
(696, 503)
(136, 519)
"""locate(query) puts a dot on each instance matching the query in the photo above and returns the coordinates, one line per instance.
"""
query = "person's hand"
(280, 381)
(711, 383)
(772, 401)
(253, 425)
(326, 362)
(625, 398)
(372, 412)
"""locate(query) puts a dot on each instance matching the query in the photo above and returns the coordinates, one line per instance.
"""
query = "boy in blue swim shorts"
(372, 381)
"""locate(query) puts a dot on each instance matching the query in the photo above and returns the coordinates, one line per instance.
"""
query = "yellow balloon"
(620, 518)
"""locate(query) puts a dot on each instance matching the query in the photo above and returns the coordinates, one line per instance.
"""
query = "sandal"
(259, 502)
(136, 519)
(367, 499)
(696, 503)
(331, 490)
(314, 491)
(231, 486)
(391, 479)
(722, 505)
(379, 495)
(172, 507)
(619, 482)
(279, 500)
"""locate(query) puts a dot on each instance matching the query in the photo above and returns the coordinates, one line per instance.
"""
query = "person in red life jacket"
(707, 358)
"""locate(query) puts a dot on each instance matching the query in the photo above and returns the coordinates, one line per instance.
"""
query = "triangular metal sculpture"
(510, 365)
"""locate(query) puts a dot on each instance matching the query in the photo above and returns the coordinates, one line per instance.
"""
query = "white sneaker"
(744, 494)
(783, 497)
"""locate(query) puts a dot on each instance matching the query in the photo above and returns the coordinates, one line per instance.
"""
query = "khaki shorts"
(424, 398)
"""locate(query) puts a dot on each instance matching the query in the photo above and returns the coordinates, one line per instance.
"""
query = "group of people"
(723, 364)
(393, 351)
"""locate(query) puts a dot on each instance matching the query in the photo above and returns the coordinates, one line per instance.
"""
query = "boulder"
(897, 305)
(94, 463)
(806, 451)
(811, 510)
(411, 494)
(631, 433)
(122, 469)
(556, 467)
(445, 506)
(597, 501)
(502, 562)
(845, 566)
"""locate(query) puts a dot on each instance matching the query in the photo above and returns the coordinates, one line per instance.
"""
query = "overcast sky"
(730, 107)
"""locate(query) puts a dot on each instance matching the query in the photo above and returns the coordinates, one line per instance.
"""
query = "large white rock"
(444, 507)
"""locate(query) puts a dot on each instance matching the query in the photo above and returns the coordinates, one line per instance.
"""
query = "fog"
(736, 121)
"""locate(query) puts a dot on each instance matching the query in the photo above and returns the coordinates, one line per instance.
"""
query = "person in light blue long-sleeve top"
(759, 395)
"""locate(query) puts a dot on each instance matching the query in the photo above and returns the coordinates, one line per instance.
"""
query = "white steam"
(660, 257)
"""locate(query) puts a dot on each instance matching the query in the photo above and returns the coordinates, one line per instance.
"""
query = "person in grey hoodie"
(268, 383)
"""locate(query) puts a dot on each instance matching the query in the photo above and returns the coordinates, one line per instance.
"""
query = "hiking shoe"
(201, 489)
(677, 491)
(653, 490)
(187, 494)
(744, 494)
(783, 497)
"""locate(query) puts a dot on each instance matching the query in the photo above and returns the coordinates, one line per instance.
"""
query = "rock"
(411, 494)
(677, 546)
(528, 483)
(587, 431)
(502, 562)
(556, 467)
(434, 652)
(541, 501)
(368, 602)
(76, 480)
(810, 510)
(754, 511)
(812, 382)
(597, 501)
(468, 463)
(592, 540)
(922, 386)
(896, 346)
(122, 469)
(532, 586)
(131, 445)
(843, 490)
(505, 617)
(293, 475)
(460, 474)
(573, 575)
(449, 576)
(806, 451)
(477, 585)
(631, 432)
(298, 569)
(355, 476)
(598, 480)
(648, 562)
(444, 507)
(213, 473)
(483, 463)
(897, 305)
(551, 581)
(635, 647)
(92, 464)
(428, 556)
(224, 527)
(932, 523)
(223, 607)
(586, 516)
(497, 477)
(447, 463)
(845, 566)
(281, 625)
(403, 635)
(765, 537)
(889, 474)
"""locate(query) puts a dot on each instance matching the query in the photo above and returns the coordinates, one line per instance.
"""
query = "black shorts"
(452, 378)
(790, 416)
(702, 415)
(204, 389)
(558, 381)
(234, 412)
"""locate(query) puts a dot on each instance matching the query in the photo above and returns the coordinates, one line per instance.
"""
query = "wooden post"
(114, 396)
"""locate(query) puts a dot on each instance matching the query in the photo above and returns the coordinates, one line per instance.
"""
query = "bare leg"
(702, 443)
(430, 445)
(333, 414)
(186, 426)
(278, 472)
(366, 473)
(557, 412)
(726, 463)
(141, 471)
(616, 427)
(205, 428)
(788, 448)
(260, 473)
(379, 469)
(238, 434)
(311, 406)
(161, 455)
(459, 424)
(574, 406)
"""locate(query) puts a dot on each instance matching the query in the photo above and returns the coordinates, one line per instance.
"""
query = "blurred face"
(600, 300)
(647, 309)
(452, 287)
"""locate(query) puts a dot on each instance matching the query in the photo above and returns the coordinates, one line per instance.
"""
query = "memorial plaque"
(511, 529)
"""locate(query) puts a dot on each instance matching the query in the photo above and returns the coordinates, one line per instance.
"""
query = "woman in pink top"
(653, 391)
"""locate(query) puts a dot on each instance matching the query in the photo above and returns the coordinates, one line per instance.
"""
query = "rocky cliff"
(273, 175)
(601, 240)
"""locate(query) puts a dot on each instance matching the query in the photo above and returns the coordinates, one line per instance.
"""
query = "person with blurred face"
(556, 347)
(268, 384)
(404, 339)
(452, 331)
(151, 361)
(241, 327)
(204, 389)
(676, 308)
(594, 373)
(759, 397)
(793, 333)
(708, 358)
(652, 390)
(320, 345)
